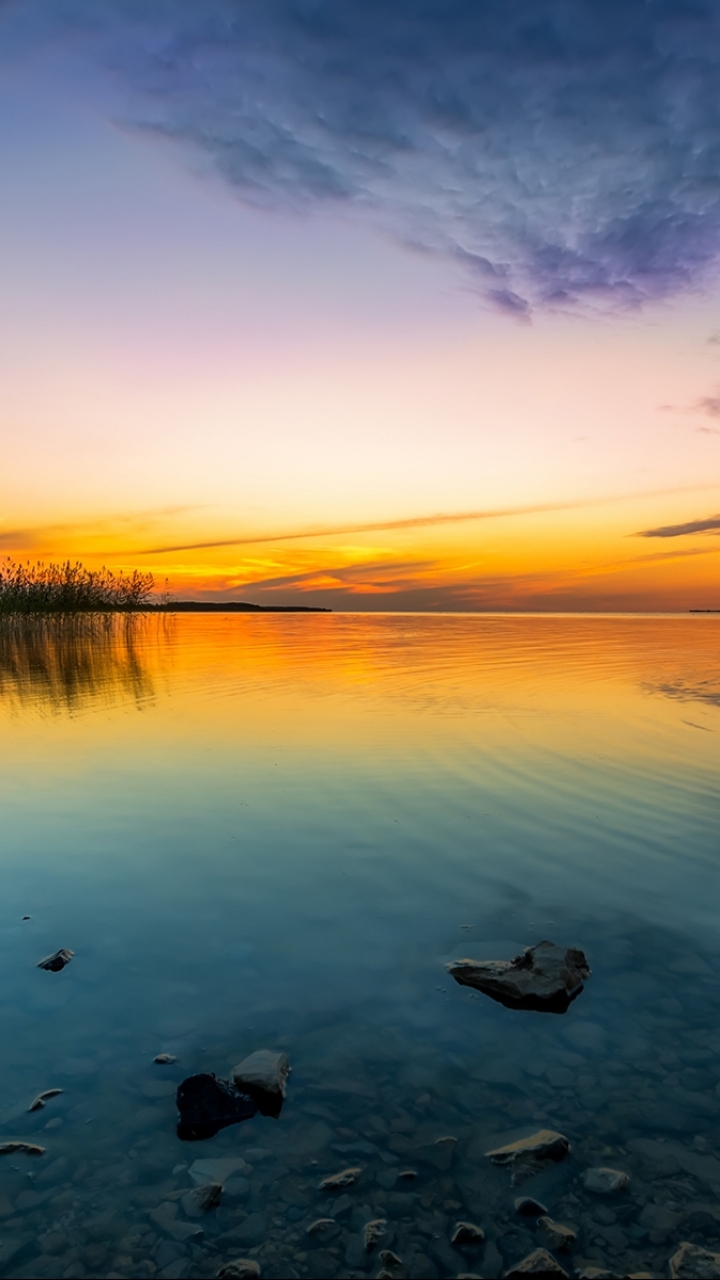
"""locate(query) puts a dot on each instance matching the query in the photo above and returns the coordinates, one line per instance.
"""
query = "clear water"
(275, 831)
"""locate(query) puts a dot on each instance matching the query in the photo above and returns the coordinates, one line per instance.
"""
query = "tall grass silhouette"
(71, 588)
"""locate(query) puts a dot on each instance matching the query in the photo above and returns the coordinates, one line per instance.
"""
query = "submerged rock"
(528, 1154)
(559, 1236)
(320, 1226)
(604, 1181)
(164, 1059)
(57, 960)
(466, 1233)
(546, 978)
(336, 1181)
(201, 1199)
(374, 1233)
(264, 1076)
(21, 1148)
(693, 1263)
(239, 1269)
(529, 1208)
(207, 1105)
(43, 1098)
(537, 1263)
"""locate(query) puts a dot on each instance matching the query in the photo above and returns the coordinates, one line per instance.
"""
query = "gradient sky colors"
(408, 305)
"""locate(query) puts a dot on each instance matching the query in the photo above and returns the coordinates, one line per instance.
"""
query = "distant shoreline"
(234, 606)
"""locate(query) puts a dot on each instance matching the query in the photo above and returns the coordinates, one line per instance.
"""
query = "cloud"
(559, 151)
(709, 405)
(709, 525)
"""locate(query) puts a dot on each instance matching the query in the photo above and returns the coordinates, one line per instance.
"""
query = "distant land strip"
(234, 606)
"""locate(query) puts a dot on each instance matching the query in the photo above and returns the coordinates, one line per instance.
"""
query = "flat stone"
(690, 1262)
(537, 1263)
(57, 961)
(559, 1236)
(239, 1269)
(43, 1098)
(165, 1217)
(546, 978)
(264, 1076)
(164, 1059)
(216, 1170)
(528, 1154)
(21, 1148)
(529, 1208)
(466, 1233)
(201, 1199)
(207, 1105)
(374, 1233)
(336, 1181)
(603, 1181)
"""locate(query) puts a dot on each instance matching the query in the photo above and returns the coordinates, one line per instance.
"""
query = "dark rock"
(201, 1199)
(264, 1077)
(690, 1262)
(529, 1208)
(466, 1233)
(529, 1154)
(407, 1173)
(207, 1105)
(21, 1148)
(164, 1059)
(538, 1263)
(56, 961)
(239, 1269)
(545, 978)
(336, 1181)
(42, 1098)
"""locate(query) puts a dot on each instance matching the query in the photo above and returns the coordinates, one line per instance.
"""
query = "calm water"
(275, 831)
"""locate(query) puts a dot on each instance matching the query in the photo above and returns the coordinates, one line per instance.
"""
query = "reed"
(71, 588)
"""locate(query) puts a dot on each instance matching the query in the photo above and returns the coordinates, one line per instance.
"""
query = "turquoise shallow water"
(276, 831)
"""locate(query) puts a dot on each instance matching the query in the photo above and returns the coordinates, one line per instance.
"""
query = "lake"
(276, 831)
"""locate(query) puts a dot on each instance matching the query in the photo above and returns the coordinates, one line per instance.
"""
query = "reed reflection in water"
(65, 664)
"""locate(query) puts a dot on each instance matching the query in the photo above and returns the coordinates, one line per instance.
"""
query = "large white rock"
(545, 977)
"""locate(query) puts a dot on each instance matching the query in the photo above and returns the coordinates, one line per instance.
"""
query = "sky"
(408, 305)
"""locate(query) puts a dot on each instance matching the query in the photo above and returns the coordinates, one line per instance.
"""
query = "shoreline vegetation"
(66, 588)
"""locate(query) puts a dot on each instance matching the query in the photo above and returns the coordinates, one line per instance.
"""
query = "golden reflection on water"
(67, 664)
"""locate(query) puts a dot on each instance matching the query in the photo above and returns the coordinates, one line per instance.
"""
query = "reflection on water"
(67, 663)
(284, 851)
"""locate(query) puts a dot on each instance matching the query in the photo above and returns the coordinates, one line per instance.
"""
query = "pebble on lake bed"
(38, 1103)
(559, 1236)
(201, 1199)
(537, 1263)
(320, 1225)
(239, 1269)
(528, 1154)
(529, 1208)
(165, 1059)
(545, 978)
(690, 1262)
(21, 1148)
(465, 1233)
(604, 1181)
(374, 1233)
(57, 961)
(336, 1181)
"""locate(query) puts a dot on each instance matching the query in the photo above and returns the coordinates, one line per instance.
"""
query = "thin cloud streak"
(417, 522)
(709, 525)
